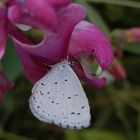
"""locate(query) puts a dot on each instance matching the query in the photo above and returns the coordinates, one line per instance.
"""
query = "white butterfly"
(60, 99)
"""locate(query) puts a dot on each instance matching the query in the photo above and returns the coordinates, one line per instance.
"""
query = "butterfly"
(59, 98)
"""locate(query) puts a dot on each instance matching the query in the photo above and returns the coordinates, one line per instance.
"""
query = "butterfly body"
(60, 99)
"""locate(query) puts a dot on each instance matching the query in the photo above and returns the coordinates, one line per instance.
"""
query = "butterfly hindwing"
(60, 99)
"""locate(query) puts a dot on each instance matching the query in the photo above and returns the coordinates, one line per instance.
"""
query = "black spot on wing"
(42, 84)
(72, 113)
(67, 126)
(82, 126)
(41, 93)
(82, 107)
(78, 113)
(34, 98)
(56, 83)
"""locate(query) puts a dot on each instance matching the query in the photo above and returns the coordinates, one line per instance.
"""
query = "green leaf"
(103, 118)
(120, 109)
(72, 135)
(93, 135)
(102, 135)
(132, 48)
(10, 63)
(127, 3)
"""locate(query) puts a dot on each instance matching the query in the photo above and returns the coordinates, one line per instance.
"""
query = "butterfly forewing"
(60, 99)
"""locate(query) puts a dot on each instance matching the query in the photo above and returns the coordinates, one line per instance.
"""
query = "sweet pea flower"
(132, 35)
(114, 72)
(88, 39)
(72, 38)
(68, 37)
(126, 36)
(117, 70)
(29, 13)
(36, 13)
(18, 11)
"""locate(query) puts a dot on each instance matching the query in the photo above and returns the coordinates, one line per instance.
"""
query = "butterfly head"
(62, 65)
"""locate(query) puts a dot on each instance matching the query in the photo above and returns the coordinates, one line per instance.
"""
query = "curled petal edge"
(88, 39)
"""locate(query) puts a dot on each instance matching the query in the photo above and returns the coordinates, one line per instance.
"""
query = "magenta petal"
(55, 44)
(3, 31)
(5, 84)
(33, 70)
(33, 65)
(84, 73)
(52, 49)
(87, 38)
(59, 2)
(33, 13)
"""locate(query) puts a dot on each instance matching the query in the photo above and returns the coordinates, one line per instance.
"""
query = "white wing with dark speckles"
(60, 99)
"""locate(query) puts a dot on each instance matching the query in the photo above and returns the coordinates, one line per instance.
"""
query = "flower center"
(35, 35)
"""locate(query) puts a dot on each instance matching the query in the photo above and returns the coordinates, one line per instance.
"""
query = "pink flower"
(73, 38)
(65, 35)
(117, 70)
(132, 35)
(16, 11)
(36, 13)
(127, 36)
(29, 13)
(88, 39)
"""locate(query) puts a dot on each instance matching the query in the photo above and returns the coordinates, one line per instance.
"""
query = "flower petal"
(132, 35)
(36, 58)
(33, 13)
(83, 72)
(32, 67)
(5, 84)
(109, 78)
(117, 69)
(54, 46)
(59, 2)
(87, 38)
(3, 30)
(40, 13)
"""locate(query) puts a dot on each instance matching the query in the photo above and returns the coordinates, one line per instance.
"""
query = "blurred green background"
(115, 109)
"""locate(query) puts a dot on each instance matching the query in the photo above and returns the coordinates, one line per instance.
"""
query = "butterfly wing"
(60, 99)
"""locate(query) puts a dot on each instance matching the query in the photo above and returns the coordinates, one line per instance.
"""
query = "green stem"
(103, 117)
(121, 115)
